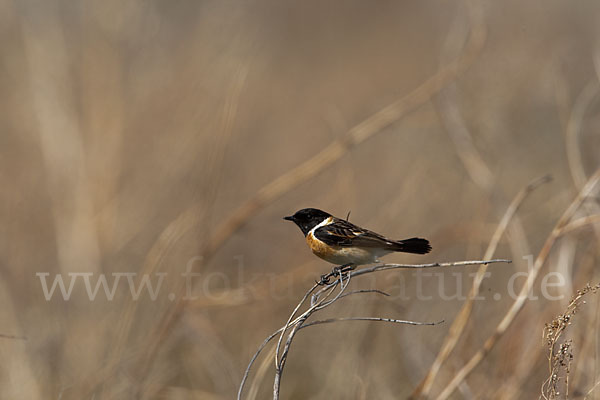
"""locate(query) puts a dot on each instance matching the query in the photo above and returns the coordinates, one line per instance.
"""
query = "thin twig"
(322, 304)
(365, 291)
(385, 267)
(376, 319)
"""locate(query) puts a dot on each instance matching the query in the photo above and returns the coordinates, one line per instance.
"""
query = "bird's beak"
(289, 218)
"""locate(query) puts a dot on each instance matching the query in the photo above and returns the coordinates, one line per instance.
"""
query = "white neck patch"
(326, 221)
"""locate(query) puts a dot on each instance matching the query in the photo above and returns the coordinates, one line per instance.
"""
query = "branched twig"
(321, 322)
(319, 300)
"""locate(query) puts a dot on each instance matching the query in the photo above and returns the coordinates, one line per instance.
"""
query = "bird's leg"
(338, 270)
(342, 269)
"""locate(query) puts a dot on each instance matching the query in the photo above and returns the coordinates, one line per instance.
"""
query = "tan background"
(130, 131)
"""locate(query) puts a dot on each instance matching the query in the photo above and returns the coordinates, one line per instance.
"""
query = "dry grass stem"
(573, 132)
(460, 322)
(518, 304)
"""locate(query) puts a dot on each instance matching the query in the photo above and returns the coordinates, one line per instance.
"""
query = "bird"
(340, 242)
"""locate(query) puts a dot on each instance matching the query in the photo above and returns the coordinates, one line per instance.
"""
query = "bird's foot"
(325, 280)
(340, 271)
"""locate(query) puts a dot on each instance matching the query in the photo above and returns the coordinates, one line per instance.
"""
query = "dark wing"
(346, 234)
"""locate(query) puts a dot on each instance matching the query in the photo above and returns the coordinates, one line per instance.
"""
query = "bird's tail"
(413, 245)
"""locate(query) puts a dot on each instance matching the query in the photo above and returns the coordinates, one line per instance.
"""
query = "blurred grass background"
(132, 130)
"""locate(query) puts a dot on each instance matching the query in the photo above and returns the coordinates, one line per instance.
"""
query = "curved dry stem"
(573, 137)
(259, 377)
(518, 304)
(174, 231)
(581, 223)
(381, 292)
(460, 322)
(573, 132)
(287, 324)
(286, 349)
(451, 117)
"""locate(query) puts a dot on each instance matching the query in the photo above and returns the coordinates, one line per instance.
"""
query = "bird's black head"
(308, 218)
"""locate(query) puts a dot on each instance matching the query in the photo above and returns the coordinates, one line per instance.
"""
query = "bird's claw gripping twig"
(336, 271)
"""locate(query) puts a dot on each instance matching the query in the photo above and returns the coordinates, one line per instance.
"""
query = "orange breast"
(319, 248)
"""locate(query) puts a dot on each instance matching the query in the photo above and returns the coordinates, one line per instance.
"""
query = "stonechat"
(340, 242)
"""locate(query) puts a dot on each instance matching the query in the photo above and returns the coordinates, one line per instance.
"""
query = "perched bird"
(340, 242)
